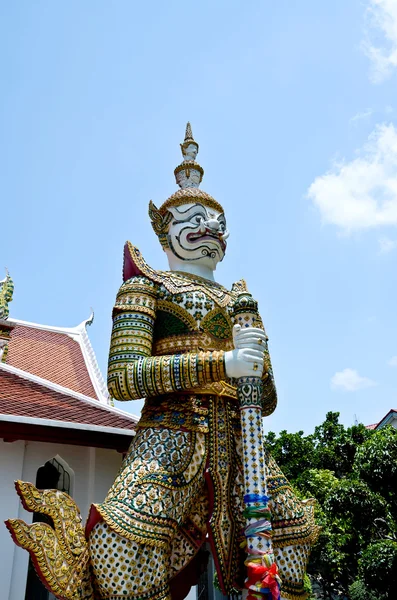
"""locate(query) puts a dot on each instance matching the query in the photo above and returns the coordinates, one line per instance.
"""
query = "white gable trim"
(387, 419)
(64, 424)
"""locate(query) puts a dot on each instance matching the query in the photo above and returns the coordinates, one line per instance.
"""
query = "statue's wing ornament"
(59, 551)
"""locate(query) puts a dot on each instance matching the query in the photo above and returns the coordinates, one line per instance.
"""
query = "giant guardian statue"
(196, 470)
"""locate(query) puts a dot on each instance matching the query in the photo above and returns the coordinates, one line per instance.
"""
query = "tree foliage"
(352, 473)
(378, 568)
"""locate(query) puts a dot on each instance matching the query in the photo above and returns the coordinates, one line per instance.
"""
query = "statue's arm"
(133, 372)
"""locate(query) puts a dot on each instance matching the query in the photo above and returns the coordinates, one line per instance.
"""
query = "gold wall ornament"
(6, 293)
(60, 555)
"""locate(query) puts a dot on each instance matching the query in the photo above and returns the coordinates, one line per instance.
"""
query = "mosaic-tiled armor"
(170, 332)
(183, 475)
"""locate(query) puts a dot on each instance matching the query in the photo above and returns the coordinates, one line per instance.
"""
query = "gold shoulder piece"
(135, 264)
(60, 553)
(240, 286)
(174, 281)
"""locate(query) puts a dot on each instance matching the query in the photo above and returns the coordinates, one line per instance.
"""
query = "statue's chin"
(182, 263)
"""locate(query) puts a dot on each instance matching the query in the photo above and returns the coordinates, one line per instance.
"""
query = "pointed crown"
(188, 175)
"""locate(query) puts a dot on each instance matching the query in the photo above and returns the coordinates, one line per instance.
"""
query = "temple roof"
(34, 408)
(51, 388)
(58, 354)
(386, 420)
(25, 395)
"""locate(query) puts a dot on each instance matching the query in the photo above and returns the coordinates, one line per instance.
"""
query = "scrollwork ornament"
(160, 223)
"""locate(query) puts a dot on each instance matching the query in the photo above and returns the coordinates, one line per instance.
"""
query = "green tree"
(378, 569)
(336, 446)
(376, 463)
(316, 483)
(352, 473)
(293, 452)
(358, 591)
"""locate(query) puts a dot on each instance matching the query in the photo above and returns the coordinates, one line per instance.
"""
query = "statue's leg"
(191, 535)
(294, 530)
(152, 496)
(126, 569)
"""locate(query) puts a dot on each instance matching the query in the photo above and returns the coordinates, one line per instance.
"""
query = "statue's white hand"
(246, 360)
(249, 337)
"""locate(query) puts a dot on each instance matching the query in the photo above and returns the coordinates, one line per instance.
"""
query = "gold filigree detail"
(187, 165)
(190, 195)
(160, 222)
(178, 311)
(239, 287)
(60, 555)
(190, 342)
(218, 324)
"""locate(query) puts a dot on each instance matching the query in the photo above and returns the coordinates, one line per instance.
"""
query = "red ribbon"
(264, 576)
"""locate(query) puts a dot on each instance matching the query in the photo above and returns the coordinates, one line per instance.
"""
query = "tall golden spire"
(189, 134)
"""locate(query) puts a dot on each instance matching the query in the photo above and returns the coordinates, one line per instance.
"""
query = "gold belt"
(190, 342)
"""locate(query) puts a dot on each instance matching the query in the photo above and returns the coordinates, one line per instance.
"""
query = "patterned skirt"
(175, 487)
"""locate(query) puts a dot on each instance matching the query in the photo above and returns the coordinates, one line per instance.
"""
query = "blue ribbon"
(248, 498)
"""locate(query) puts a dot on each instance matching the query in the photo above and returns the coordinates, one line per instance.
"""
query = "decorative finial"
(90, 320)
(189, 134)
(189, 173)
(6, 292)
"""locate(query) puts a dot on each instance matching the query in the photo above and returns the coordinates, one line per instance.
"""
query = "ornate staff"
(262, 573)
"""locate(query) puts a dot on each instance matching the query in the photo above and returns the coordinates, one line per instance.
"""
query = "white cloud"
(380, 44)
(362, 193)
(393, 361)
(386, 245)
(350, 381)
(365, 114)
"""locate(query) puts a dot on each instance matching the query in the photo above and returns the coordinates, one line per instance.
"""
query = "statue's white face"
(190, 152)
(198, 234)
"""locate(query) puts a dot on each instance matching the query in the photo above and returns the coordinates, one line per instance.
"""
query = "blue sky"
(293, 105)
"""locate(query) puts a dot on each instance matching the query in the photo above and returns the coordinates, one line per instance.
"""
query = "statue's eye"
(198, 219)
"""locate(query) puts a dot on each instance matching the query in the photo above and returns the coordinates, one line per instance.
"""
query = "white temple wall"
(11, 465)
(107, 464)
(92, 473)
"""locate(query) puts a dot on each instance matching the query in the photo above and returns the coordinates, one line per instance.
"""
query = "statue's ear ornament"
(160, 223)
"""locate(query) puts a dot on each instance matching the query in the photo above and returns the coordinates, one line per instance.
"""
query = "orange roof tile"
(21, 397)
(51, 355)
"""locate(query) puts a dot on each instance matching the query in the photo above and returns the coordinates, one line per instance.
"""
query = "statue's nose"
(213, 224)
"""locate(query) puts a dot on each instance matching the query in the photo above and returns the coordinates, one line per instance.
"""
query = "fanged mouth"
(208, 235)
